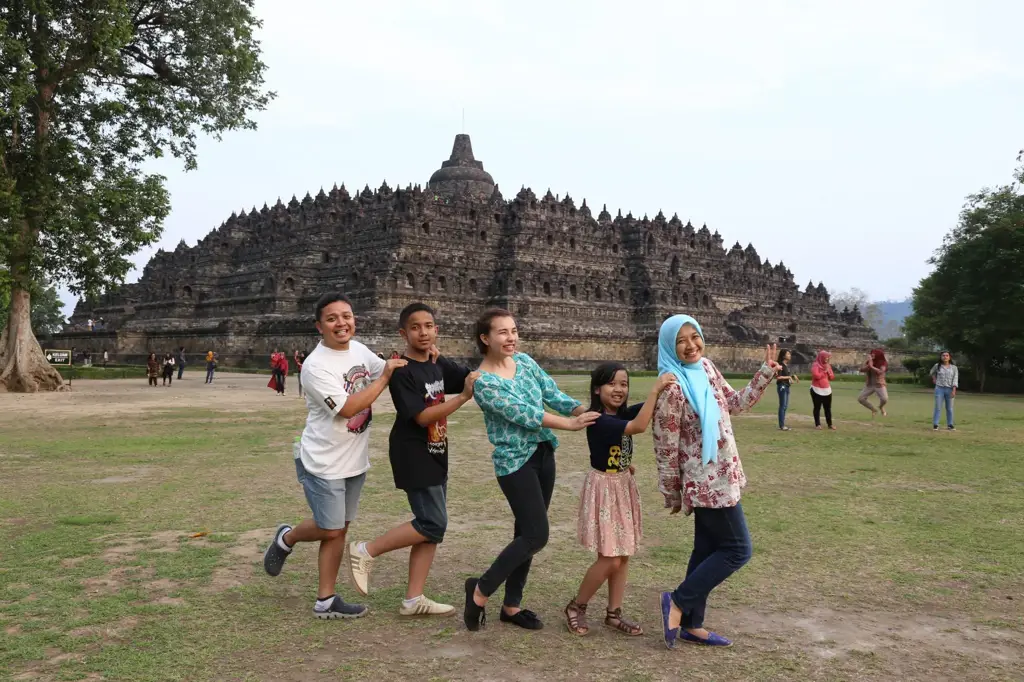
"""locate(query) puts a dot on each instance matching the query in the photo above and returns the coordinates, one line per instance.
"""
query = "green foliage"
(973, 302)
(89, 91)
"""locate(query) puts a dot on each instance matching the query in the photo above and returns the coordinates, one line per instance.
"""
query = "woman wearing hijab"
(699, 470)
(821, 388)
(875, 368)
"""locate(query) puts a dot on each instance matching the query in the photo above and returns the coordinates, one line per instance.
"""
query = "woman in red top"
(279, 367)
(821, 388)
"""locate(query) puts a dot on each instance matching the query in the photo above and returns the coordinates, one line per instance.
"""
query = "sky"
(839, 138)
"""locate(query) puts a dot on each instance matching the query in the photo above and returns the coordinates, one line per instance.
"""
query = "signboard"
(58, 357)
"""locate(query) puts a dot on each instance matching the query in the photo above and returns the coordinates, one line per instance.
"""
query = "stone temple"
(584, 287)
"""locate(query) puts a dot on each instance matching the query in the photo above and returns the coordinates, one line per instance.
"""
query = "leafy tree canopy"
(973, 302)
(89, 89)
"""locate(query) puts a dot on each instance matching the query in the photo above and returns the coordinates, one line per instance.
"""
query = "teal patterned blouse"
(513, 411)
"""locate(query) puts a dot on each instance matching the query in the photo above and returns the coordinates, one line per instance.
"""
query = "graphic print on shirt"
(621, 456)
(437, 433)
(356, 379)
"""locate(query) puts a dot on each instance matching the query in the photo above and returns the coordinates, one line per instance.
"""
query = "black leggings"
(819, 402)
(528, 492)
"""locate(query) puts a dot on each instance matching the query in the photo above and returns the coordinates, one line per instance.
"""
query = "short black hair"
(483, 326)
(605, 374)
(407, 312)
(329, 298)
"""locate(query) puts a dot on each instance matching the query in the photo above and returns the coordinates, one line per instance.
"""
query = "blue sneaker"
(339, 609)
(666, 608)
(712, 640)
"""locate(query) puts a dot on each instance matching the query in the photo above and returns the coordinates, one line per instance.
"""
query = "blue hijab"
(694, 382)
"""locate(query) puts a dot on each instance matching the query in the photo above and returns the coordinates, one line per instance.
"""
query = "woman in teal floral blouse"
(512, 391)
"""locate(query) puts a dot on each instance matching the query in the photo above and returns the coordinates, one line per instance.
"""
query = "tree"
(858, 298)
(47, 308)
(91, 89)
(973, 302)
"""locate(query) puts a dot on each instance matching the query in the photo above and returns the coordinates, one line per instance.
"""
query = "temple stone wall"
(583, 288)
(237, 350)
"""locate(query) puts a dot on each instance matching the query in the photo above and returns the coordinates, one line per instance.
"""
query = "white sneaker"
(426, 607)
(359, 564)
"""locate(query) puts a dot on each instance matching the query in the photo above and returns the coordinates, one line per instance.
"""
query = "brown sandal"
(613, 619)
(576, 618)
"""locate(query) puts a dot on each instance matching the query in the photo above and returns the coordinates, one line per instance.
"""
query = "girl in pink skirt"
(609, 518)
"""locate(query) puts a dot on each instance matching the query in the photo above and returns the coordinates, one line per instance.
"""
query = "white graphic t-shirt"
(332, 446)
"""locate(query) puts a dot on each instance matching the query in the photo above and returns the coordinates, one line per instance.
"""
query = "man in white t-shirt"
(341, 378)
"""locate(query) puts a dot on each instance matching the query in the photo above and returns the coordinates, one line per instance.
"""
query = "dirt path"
(125, 397)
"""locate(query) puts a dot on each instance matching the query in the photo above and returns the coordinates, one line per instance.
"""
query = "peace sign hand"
(770, 353)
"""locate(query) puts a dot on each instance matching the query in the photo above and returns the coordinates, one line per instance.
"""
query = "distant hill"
(889, 321)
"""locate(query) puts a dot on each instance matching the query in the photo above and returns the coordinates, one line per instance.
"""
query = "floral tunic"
(682, 477)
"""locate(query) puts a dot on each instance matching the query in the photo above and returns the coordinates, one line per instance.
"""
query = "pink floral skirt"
(610, 522)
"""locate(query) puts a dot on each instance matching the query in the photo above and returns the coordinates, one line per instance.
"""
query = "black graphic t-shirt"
(611, 450)
(419, 455)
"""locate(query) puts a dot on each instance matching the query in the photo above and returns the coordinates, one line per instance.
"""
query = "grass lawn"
(882, 551)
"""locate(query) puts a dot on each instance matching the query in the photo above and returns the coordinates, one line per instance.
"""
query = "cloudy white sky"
(840, 138)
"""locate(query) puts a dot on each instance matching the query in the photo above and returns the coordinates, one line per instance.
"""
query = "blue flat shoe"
(712, 640)
(666, 608)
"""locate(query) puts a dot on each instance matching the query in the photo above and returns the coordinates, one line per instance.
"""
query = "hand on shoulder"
(393, 364)
(663, 382)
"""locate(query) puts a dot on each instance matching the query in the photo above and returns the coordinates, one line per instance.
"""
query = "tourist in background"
(299, 356)
(699, 471)
(609, 521)
(784, 381)
(946, 378)
(181, 361)
(211, 365)
(512, 392)
(168, 369)
(875, 368)
(279, 369)
(152, 369)
(343, 379)
(821, 388)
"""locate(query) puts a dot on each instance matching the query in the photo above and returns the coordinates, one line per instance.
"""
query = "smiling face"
(420, 331)
(614, 394)
(503, 338)
(689, 344)
(337, 325)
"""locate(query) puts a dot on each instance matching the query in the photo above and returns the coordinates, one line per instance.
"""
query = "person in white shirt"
(341, 378)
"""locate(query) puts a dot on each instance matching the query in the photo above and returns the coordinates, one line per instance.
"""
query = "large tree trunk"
(23, 367)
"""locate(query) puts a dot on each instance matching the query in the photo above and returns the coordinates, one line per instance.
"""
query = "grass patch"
(88, 520)
(131, 549)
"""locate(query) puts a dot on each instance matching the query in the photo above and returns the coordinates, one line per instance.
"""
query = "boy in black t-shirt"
(418, 449)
